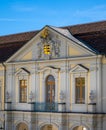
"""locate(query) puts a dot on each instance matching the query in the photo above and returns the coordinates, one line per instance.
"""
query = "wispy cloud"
(14, 20)
(92, 13)
(22, 8)
(7, 19)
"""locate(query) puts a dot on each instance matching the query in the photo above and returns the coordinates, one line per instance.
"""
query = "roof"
(11, 43)
(65, 32)
(94, 34)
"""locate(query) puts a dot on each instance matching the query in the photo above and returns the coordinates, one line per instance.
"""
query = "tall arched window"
(50, 89)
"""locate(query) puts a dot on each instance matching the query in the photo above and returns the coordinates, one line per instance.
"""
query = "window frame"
(46, 85)
(21, 74)
(23, 93)
(77, 75)
(78, 71)
(79, 96)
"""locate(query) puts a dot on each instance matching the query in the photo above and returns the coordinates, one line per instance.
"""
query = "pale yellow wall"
(73, 51)
(2, 92)
(2, 86)
(104, 60)
(28, 56)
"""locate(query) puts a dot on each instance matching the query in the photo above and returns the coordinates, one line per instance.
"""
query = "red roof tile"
(21, 37)
(87, 28)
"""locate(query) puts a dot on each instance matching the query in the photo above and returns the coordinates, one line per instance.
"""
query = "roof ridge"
(64, 27)
(89, 23)
(20, 33)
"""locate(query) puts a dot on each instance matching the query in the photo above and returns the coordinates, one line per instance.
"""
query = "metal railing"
(37, 107)
(46, 107)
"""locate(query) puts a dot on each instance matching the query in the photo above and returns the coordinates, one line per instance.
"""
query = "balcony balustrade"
(46, 107)
(36, 107)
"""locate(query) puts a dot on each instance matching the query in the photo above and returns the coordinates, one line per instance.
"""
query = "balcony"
(46, 107)
(49, 107)
(36, 107)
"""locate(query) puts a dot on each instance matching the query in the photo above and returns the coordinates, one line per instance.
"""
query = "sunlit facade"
(55, 81)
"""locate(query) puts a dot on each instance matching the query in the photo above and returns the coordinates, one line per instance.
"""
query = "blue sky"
(27, 15)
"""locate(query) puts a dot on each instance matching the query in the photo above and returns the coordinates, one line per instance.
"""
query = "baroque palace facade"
(54, 78)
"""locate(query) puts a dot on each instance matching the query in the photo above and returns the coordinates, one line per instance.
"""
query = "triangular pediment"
(22, 71)
(50, 43)
(78, 69)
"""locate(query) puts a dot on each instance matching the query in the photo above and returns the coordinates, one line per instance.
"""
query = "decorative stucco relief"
(48, 47)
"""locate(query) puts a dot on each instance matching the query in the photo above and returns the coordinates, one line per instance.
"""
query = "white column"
(99, 87)
(63, 80)
(68, 94)
(37, 87)
(43, 90)
(73, 88)
(56, 90)
(41, 86)
(32, 83)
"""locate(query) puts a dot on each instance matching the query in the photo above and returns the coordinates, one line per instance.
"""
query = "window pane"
(83, 94)
(80, 89)
(23, 91)
(50, 88)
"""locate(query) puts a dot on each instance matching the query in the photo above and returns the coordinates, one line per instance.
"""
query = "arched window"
(49, 127)
(22, 126)
(50, 89)
(80, 128)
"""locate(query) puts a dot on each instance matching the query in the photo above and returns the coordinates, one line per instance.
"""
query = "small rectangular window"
(23, 91)
(80, 90)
